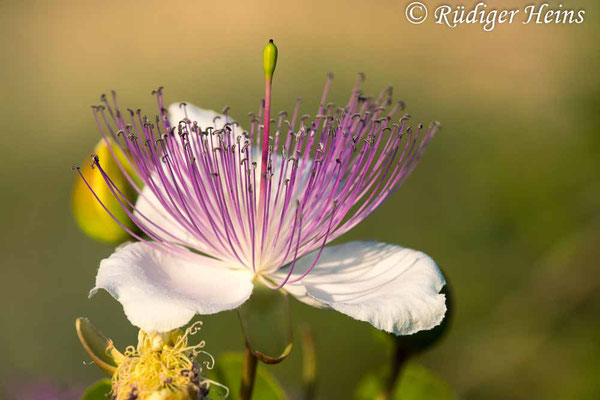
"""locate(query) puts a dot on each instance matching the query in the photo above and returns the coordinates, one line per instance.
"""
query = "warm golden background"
(507, 198)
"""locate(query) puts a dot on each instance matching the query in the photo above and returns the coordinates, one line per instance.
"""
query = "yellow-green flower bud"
(91, 217)
(270, 59)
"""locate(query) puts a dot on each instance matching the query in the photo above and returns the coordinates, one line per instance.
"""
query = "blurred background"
(506, 199)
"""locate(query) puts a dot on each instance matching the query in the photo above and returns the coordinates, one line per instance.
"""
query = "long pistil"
(269, 64)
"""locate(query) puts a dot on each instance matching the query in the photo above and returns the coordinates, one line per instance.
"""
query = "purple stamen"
(316, 180)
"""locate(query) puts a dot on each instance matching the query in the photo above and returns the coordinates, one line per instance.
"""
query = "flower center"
(161, 367)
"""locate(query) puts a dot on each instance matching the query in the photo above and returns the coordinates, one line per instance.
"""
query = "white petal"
(393, 288)
(205, 118)
(160, 292)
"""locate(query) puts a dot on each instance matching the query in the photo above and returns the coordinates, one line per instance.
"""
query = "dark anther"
(225, 109)
(362, 76)
(182, 105)
(330, 75)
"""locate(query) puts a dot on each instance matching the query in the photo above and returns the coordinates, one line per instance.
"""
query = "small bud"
(91, 217)
(270, 59)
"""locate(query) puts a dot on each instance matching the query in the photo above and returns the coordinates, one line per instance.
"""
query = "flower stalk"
(398, 361)
(248, 374)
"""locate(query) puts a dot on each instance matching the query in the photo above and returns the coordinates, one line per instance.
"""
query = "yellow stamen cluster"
(161, 367)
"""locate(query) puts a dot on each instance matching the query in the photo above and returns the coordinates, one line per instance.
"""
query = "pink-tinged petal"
(160, 292)
(393, 288)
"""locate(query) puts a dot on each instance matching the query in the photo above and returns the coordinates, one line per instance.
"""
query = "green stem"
(399, 358)
(248, 374)
(309, 364)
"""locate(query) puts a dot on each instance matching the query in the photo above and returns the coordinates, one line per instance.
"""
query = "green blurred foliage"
(228, 372)
(415, 383)
(97, 391)
(506, 198)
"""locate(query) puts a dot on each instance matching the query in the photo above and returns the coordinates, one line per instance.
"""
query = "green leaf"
(97, 391)
(266, 323)
(228, 371)
(415, 383)
(100, 349)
